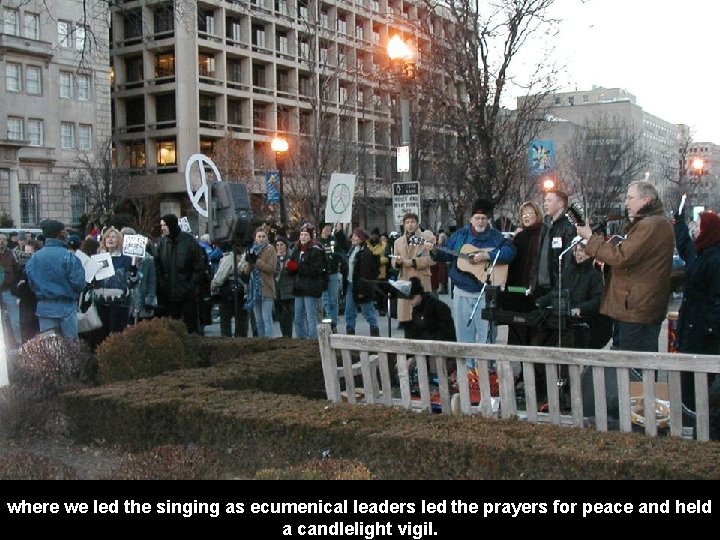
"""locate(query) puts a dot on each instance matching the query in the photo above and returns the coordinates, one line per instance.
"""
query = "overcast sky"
(662, 51)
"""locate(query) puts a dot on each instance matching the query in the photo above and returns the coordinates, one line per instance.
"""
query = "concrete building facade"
(54, 106)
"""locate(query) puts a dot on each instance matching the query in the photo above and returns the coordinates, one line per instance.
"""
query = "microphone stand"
(482, 291)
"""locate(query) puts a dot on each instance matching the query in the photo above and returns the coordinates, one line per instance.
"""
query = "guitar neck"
(455, 252)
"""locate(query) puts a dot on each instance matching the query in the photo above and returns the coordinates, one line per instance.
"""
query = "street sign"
(406, 198)
(403, 159)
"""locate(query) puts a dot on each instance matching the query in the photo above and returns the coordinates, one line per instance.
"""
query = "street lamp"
(280, 146)
(402, 58)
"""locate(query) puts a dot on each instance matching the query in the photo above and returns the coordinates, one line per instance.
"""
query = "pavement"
(389, 329)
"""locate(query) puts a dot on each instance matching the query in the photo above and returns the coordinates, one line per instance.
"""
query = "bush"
(28, 466)
(47, 366)
(170, 462)
(147, 349)
(325, 469)
(51, 364)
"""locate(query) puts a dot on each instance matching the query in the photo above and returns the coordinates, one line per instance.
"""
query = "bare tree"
(491, 142)
(602, 157)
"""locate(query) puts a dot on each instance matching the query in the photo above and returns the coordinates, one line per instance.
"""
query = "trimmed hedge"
(261, 404)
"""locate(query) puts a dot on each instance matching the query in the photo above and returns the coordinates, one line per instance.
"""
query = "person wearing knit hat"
(378, 249)
(481, 245)
(363, 267)
(431, 318)
(699, 315)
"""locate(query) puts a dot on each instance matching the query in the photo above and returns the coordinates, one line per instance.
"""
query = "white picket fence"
(388, 384)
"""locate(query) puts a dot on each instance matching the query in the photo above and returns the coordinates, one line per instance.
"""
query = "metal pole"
(405, 125)
(278, 161)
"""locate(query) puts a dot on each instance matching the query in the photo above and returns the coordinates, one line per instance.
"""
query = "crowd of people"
(615, 290)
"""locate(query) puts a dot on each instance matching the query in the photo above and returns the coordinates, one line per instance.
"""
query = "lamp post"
(402, 58)
(280, 146)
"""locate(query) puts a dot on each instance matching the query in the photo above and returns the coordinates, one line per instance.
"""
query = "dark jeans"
(227, 312)
(638, 336)
(186, 311)
(285, 312)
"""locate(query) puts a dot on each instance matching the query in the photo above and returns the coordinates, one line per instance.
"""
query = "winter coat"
(307, 265)
(431, 319)
(638, 286)
(226, 272)
(284, 282)
(561, 233)
(366, 267)
(379, 251)
(422, 262)
(117, 289)
(522, 271)
(57, 278)
(181, 268)
(266, 262)
(336, 249)
(699, 315)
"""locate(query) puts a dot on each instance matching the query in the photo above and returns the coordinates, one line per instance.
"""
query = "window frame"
(17, 77)
(63, 145)
(28, 85)
(39, 122)
(68, 87)
(81, 140)
(34, 33)
(80, 88)
(16, 135)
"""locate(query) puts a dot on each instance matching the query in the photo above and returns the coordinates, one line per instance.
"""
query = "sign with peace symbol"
(338, 208)
(202, 192)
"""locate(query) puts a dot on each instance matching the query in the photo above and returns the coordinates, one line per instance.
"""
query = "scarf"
(709, 231)
(255, 285)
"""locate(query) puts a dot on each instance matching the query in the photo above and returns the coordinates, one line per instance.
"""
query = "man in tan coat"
(637, 291)
(412, 259)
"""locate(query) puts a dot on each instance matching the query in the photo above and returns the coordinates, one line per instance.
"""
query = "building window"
(234, 71)
(12, 77)
(324, 54)
(83, 87)
(29, 203)
(11, 22)
(206, 22)
(165, 65)
(258, 74)
(302, 10)
(206, 66)
(31, 23)
(304, 50)
(80, 33)
(14, 128)
(235, 31)
(235, 112)
(77, 202)
(164, 19)
(342, 25)
(84, 137)
(282, 45)
(136, 152)
(132, 24)
(165, 107)
(66, 84)
(258, 36)
(166, 153)
(35, 132)
(134, 69)
(281, 7)
(67, 135)
(324, 20)
(64, 33)
(33, 80)
(207, 108)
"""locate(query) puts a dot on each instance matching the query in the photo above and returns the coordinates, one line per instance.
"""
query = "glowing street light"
(280, 146)
(402, 56)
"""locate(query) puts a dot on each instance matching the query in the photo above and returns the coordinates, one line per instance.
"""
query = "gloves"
(251, 257)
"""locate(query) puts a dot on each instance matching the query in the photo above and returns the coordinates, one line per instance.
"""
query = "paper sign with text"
(134, 245)
(100, 266)
(184, 225)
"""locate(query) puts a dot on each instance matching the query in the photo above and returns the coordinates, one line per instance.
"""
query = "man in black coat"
(431, 318)
(181, 270)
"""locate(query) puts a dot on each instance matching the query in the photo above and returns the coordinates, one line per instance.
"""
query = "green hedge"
(261, 404)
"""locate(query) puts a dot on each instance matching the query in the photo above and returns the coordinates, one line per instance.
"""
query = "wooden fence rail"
(382, 365)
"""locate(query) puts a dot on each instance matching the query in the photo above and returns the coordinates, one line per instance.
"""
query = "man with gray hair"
(637, 291)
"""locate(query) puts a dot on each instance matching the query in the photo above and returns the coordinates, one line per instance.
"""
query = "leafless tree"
(602, 157)
(489, 153)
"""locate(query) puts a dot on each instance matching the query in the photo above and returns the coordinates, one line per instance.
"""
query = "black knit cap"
(52, 228)
(482, 206)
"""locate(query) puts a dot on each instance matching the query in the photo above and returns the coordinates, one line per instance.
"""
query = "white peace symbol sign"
(196, 196)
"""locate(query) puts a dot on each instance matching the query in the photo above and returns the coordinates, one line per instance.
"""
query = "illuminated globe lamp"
(280, 146)
(548, 184)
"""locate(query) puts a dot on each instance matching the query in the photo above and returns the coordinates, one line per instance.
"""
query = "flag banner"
(542, 157)
(272, 187)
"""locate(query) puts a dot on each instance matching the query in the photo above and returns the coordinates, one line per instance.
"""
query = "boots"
(374, 331)
(350, 331)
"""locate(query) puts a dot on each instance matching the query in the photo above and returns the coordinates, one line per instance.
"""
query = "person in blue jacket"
(488, 242)
(57, 278)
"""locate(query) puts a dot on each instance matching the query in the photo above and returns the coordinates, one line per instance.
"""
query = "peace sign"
(202, 192)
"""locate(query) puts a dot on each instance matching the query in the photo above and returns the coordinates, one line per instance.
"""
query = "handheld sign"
(134, 245)
(184, 225)
(682, 203)
(100, 267)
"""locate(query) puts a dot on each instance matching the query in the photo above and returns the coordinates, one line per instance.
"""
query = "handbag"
(89, 319)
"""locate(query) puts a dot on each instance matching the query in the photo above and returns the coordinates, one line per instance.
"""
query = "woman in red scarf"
(699, 315)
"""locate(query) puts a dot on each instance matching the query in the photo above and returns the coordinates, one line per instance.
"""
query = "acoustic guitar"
(480, 271)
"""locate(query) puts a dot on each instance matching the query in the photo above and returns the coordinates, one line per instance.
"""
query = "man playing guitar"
(479, 243)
